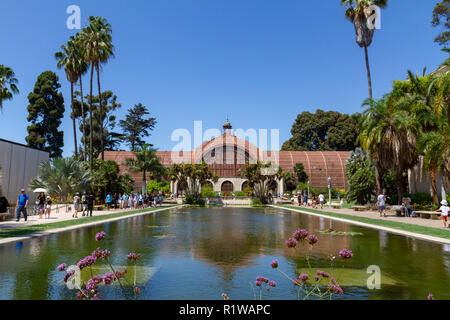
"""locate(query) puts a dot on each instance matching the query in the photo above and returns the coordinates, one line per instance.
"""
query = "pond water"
(200, 253)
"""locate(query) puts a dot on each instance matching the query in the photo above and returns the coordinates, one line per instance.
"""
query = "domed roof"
(227, 124)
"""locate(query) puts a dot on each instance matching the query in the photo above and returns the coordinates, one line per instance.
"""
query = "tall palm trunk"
(433, 177)
(84, 120)
(369, 78)
(144, 183)
(73, 120)
(101, 114)
(91, 160)
(399, 183)
(377, 176)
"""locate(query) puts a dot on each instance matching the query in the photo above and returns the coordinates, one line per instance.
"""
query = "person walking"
(305, 199)
(84, 203)
(40, 202)
(321, 200)
(21, 205)
(444, 209)
(76, 205)
(48, 207)
(90, 204)
(109, 200)
(381, 203)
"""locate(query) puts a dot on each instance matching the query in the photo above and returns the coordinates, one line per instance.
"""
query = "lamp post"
(329, 190)
(308, 189)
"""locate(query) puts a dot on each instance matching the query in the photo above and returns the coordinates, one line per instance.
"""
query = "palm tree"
(435, 146)
(146, 161)
(358, 12)
(81, 68)
(97, 41)
(67, 59)
(7, 78)
(62, 176)
(385, 134)
(428, 99)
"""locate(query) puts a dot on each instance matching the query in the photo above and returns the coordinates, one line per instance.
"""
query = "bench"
(429, 214)
(98, 208)
(336, 205)
(359, 208)
(3, 216)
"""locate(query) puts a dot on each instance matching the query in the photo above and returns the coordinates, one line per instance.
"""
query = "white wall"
(19, 164)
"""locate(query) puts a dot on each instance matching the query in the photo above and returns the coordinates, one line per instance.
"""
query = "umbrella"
(39, 190)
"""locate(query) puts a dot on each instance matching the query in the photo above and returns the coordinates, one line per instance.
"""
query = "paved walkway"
(375, 215)
(62, 215)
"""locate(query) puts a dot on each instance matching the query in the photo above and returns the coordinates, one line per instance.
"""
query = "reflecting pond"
(200, 253)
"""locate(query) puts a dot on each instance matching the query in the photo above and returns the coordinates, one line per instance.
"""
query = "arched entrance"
(245, 185)
(227, 186)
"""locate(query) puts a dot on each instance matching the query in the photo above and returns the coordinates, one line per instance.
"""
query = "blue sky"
(260, 62)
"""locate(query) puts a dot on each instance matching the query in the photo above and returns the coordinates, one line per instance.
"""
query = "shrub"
(421, 198)
(190, 199)
(240, 194)
(257, 203)
(248, 191)
(208, 192)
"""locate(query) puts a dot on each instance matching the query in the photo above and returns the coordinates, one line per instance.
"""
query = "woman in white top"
(444, 209)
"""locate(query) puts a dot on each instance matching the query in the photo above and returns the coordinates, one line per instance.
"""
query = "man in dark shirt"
(90, 204)
(3, 205)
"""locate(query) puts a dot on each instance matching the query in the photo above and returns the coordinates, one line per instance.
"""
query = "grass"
(23, 231)
(429, 231)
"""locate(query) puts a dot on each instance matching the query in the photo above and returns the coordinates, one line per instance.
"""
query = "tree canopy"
(45, 111)
(323, 131)
(441, 16)
(136, 127)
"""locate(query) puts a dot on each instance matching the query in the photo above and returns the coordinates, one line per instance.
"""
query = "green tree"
(191, 178)
(8, 84)
(106, 178)
(136, 127)
(302, 176)
(387, 137)
(45, 111)
(361, 177)
(147, 162)
(260, 177)
(62, 177)
(96, 40)
(430, 105)
(359, 13)
(289, 181)
(68, 59)
(441, 16)
(155, 186)
(322, 130)
(107, 119)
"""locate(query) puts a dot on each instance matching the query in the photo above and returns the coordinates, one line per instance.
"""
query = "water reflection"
(201, 253)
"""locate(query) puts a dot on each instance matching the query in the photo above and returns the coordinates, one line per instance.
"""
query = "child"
(444, 209)
(381, 203)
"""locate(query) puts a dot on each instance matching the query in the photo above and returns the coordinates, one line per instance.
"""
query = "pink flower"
(274, 264)
(291, 243)
(300, 234)
(312, 239)
(62, 267)
(100, 236)
(345, 254)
